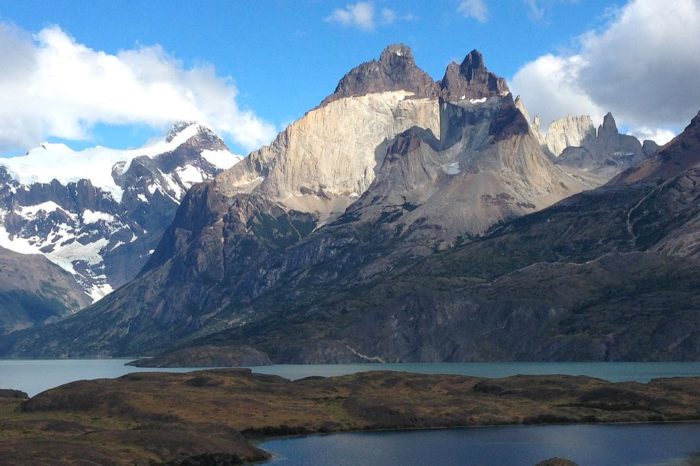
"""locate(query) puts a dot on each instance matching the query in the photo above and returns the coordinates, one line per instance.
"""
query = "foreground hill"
(213, 417)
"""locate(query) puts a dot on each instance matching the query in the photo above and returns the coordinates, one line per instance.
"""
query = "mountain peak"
(395, 70)
(471, 80)
(609, 125)
(180, 127)
(473, 61)
(397, 51)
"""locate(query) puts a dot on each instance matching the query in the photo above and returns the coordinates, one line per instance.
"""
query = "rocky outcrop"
(485, 169)
(471, 80)
(570, 131)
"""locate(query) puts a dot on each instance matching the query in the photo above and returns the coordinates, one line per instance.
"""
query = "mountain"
(388, 169)
(606, 150)
(34, 291)
(608, 274)
(99, 213)
(593, 155)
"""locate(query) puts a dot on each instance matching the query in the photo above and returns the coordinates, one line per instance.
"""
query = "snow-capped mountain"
(98, 213)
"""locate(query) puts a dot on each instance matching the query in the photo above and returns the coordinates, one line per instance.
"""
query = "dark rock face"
(471, 80)
(395, 70)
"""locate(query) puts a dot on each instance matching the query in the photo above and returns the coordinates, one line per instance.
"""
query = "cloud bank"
(643, 67)
(53, 86)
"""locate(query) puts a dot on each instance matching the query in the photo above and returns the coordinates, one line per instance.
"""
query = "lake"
(599, 445)
(35, 376)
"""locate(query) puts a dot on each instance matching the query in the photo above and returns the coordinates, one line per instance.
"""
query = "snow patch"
(222, 159)
(452, 169)
(98, 292)
(190, 175)
(16, 244)
(90, 216)
(477, 101)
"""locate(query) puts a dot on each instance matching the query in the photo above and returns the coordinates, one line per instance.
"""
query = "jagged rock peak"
(397, 52)
(609, 125)
(394, 71)
(471, 80)
(181, 126)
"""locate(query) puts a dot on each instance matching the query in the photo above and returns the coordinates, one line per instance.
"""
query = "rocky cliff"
(570, 131)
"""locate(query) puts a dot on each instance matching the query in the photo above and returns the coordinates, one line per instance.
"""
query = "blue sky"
(278, 59)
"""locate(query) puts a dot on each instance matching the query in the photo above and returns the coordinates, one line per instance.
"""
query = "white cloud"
(660, 136)
(52, 86)
(643, 67)
(360, 14)
(476, 9)
(550, 89)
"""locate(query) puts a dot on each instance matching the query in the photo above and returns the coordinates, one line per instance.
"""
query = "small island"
(215, 417)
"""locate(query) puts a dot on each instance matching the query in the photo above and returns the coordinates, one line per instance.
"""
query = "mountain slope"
(33, 291)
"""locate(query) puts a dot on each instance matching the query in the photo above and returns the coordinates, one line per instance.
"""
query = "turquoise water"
(599, 445)
(35, 376)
